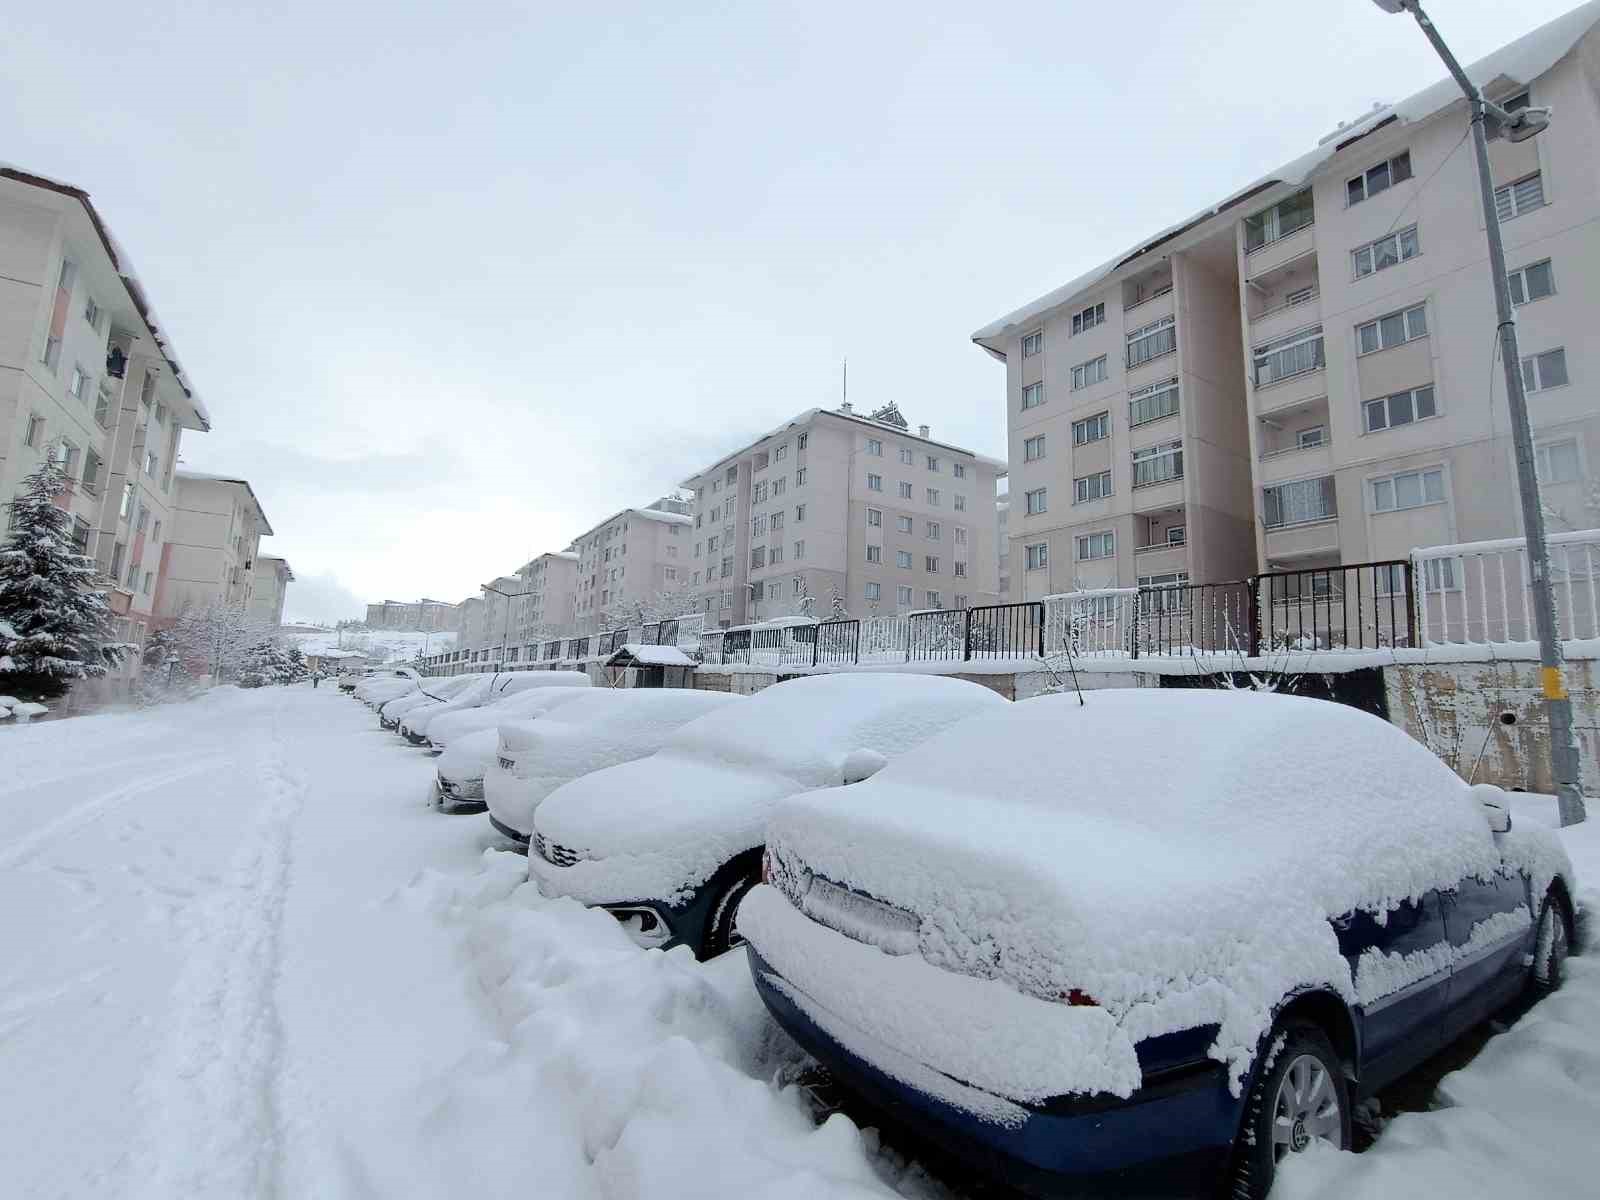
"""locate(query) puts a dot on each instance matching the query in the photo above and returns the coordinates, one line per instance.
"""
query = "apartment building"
(269, 583)
(835, 511)
(218, 525)
(633, 567)
(1301, 375)
(88, 378)
(549, 587)
(412, 615)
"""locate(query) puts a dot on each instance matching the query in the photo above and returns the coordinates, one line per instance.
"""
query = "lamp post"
(505, 633)
(1517, 127)
(755, 600)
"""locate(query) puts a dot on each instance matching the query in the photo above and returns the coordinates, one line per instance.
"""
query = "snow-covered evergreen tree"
(270, 661)
(212, 639)
(55, 625)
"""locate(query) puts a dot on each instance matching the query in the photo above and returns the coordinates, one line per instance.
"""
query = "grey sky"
(459, 280)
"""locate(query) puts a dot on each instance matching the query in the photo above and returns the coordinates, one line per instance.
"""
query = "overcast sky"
(459, 280)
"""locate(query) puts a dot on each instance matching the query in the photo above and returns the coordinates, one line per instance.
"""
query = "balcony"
(1293, 441)
(1279, 252)
(1283, 298)
(1149, 350)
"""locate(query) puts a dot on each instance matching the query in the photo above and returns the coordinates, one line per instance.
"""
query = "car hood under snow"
(1175, 855)
(468, 756)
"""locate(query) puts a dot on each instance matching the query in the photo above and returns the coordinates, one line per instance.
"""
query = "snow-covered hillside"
(383, 645)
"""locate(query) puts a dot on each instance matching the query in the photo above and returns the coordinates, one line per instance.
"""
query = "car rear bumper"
(504, 830)
(1172, 1139)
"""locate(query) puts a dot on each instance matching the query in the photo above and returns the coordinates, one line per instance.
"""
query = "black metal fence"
(1004, 631)
(836, 642)
(939, 634)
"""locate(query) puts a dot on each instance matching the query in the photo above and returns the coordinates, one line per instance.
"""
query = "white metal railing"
(1480, 592)
(885, 639)
(1094, 621)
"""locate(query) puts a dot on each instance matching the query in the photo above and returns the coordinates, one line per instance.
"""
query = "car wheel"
(722, 929)
(1551, 945)
(1299, 1098)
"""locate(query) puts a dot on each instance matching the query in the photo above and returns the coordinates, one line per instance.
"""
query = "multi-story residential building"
(1002, 544)
(834, 512)
(633, 566)
(1302, 375)
(88, 378)
(470, 624)
(209, 558)
(270, 582)
(412, 615)
(548, 584)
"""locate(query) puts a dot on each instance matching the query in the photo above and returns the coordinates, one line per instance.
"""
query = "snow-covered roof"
(123, 265)
(183, 473)
(649, 656)
(1519, 62)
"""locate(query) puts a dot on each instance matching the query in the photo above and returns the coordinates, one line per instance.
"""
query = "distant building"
(633, 566)
(270, 584)
(549, 586)
(419, 616)
(210, 556)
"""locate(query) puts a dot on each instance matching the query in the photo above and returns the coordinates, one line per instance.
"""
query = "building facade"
(549, 585)
(210, 557)
(633, 567)
(838, 513)
(89, 380)
(419, 616)
(270, 582)
(1300, 376)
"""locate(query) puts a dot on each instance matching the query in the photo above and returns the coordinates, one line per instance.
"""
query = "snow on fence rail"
(1482, 592)
(1091, 622)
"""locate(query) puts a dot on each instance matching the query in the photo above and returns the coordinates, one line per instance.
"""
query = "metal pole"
(1564, 769)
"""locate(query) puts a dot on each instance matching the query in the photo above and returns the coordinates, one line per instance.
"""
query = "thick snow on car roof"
(1175, 854)
(524, 706)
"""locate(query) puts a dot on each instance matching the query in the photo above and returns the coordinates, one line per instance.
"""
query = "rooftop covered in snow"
(206, 477)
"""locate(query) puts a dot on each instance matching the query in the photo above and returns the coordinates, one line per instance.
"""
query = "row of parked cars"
(1142, 942)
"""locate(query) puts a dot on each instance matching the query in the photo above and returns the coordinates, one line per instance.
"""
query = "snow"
(660, 826)
(486, 690)
(602, 729)
(464, 763)
(385, 644)
(654, 656)
(523, 705)
(981, 836)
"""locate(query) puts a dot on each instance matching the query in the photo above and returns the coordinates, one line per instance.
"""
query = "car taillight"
(1079, 999)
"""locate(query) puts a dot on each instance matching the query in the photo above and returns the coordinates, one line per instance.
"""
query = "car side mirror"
(1495, 809)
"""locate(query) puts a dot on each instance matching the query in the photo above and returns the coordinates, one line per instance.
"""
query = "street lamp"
(755, 600)
(506, 632)
(1518, 126)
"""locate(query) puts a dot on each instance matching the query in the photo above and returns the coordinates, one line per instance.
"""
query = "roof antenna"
(844, 399)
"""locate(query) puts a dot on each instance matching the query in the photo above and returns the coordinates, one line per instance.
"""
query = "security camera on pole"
(1518, 126)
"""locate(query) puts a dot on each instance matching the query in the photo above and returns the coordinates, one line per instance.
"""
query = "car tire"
(1300, 1096)
(722, 931)
(1552, 944)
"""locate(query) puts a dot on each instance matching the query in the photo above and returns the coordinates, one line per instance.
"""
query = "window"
(80, 535)
(904, 524)
(1288, 356)
(731, 476)
(76, 382)
(1409, 489)
(875, 447)
(905, 491)
(1091, 429)
(1298, 502)
(874, 592)
(758, 494)
(1158, 464)
(711, 545)
(1038, 556)
(1153, 402)
(933, 497)
(774, 556)
(669, 573)
(933, 600)
(800, 442)
(1402, 408)
(91, 312)
(1152, 341)
(1315, 435)
(1540, 372)
(1089, 373)
(875, 554)
(959, 470)
(959, 503)
(35, 433)
(1177, 535)
(1392, 329)
(58, 314)
(1557, 462)
(961, 569)
(1033, 449)
(91, 472)
(781, 452)
(1032, 343)
(102, 406)
(799, 550)
(1379, 178)
(933, 463)
(961, 600)
(933, 531)
(758, 527)
(1532, 282)
(779, 486)
(117, 551)
(906, 456)
(151, 464)
(961, 535)
(930, 563)
(727, 567)
(874, 483)
(1523, 196)
(1032, 396)
(1086, 320)
(149, 577)
(1091, 487)
(1279, 221)
(1097, 545)
(799, 476)
(902, 594)
(800, 511)
(1035, 501)
(902, 559)
(155, 533)
(874, 517)
(1385, 252)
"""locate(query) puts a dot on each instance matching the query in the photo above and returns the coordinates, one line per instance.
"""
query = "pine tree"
(56, 623)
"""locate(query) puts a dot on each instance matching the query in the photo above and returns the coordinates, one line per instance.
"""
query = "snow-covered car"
(534, 758)
(1151, 944)
(670, 844)
(386, 686)
(488, 689)
(469, 739)
(428, 691)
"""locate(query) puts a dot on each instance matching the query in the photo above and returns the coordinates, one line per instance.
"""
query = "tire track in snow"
(213, 1109)
(73, 819)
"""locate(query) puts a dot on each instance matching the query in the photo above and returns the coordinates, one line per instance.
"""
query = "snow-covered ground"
(398, 645)
(242, 957)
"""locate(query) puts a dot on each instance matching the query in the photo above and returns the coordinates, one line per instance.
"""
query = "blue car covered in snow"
(1087, 959)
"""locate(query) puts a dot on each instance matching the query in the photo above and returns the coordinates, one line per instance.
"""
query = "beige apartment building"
(88, 378)
(270, 580)
(1301, 375)
(633, 567)
(218, 525)
(838, 512)
(412, 615)
(549, 587)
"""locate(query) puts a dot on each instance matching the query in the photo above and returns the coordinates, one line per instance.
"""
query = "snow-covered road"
(241, 958)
